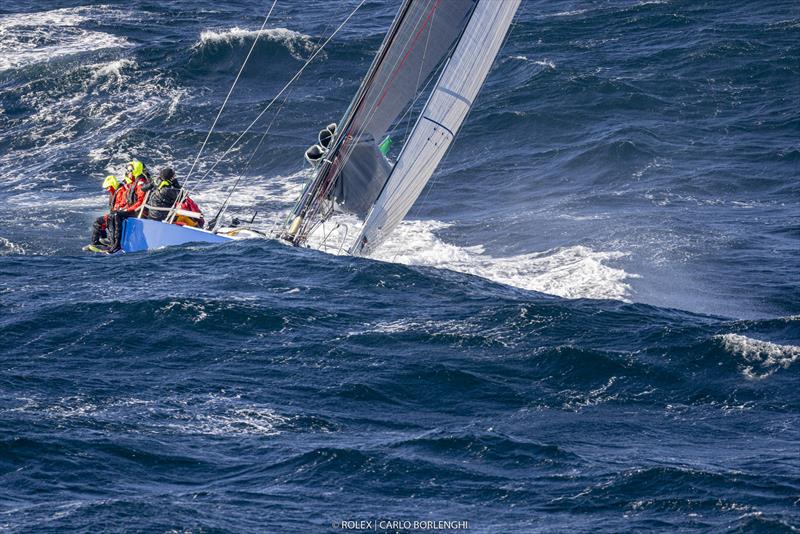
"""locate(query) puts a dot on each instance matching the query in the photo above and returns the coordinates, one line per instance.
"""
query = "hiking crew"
(136, 179)
(116, 201)
(133, 198)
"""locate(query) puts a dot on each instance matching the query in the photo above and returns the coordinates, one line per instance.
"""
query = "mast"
(313, 191)
(440, 120)
(353, 170)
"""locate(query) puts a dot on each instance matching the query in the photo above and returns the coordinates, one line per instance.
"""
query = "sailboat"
(440, 49)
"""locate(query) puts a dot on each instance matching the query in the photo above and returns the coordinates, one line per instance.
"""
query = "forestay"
(354, 170)
(424, 38)
(439, 121)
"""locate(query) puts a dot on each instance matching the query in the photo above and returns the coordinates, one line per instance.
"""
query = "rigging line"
(310, 192)
(283, 90)
(324, 32)
(419, 76)
(436, 76)
(433, 76)
(384, 88)
(230, 92)
(226, 202)
(346, 151)
(399, 61)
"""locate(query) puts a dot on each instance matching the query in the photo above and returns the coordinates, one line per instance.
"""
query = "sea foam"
(762, 358)
(298, 44)
(31, 38)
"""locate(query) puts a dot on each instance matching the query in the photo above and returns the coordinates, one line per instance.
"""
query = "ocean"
(589, 322)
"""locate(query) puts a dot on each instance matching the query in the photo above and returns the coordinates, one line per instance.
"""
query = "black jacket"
(161, 197)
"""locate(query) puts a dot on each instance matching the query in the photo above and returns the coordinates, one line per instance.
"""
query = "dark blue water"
(590, 322)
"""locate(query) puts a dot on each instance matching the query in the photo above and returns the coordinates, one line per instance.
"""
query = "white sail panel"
(354, 170)
(437, 125)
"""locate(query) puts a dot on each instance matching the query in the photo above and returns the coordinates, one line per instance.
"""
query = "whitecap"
(30, 38)
(545, 63)
(569, 13)
(252, 191)
(8, 247)
(763, 358)
(111, 71)
(298, 44)
(541, 62)
(569, 272)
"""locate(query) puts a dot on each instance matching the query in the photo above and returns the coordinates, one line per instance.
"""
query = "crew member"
(163, 194)
(116, 200)
(184, 220)
(136, 179)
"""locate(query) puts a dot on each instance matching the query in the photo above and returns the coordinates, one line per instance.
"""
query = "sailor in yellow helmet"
(136, 181)
(133, 170)
(116, 201)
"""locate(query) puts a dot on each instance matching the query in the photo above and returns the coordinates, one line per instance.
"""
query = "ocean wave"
(460, 332)
(212, 414)
(84, 108)
(487, 446)
(31, 38)
(298, 44)
(9, 247)
(570, 272)
(280, 190)
(112, 70)
(541, 62)
(762, 358)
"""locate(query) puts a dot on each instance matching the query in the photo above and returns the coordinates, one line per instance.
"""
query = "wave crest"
(40, 37)
(298, 44)
(763, 357)
(569, 272)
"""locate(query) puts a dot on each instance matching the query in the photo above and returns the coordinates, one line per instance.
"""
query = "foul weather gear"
(163, 196)
(116, 201)
(189, 205)
(111, 183)
(114, 230)
(119, 199)
(135, 168)
(135, 193)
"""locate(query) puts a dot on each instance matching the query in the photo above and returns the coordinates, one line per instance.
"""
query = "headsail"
(354, 169)
(440, 120)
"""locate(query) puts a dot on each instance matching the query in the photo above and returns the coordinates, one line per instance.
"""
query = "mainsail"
(440, 120)
(353, 173)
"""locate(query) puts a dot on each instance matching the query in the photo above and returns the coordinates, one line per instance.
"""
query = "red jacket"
(190, 205)
(119, 199)
(135, 194)
(116, 201)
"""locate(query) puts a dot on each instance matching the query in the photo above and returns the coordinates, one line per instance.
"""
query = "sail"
(440, 119)
(355, 168)
(423, 37)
